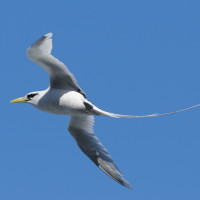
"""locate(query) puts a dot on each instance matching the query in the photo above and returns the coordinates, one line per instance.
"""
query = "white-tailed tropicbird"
(65, 97)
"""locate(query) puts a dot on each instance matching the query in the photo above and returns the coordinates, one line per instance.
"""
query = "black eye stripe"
(30, 96)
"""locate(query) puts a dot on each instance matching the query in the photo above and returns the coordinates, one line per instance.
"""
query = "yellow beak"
(18, 100)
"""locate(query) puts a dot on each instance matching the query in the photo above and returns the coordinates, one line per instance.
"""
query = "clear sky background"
(130, 57)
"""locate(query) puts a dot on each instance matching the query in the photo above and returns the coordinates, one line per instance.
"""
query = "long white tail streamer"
(101, 112)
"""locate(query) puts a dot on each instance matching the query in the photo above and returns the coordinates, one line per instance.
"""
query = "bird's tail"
(98, 111)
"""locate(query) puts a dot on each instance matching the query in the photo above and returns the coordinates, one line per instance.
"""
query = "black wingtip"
(126, 184)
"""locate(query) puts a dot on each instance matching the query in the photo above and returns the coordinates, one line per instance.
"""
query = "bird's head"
(32, 98)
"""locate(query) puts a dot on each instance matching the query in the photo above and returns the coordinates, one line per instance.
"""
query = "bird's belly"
(58, 110)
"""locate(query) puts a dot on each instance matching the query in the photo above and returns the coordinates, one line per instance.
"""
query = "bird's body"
(61, 102)
(65, 97)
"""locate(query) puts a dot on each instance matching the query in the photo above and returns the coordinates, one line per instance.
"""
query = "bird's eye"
(30, 96)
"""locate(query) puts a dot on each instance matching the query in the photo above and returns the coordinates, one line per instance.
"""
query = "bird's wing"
(60, 76)
(81, 128)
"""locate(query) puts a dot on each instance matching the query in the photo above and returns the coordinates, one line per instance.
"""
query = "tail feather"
(98, 111)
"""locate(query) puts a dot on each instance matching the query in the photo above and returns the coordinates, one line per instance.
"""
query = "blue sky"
(130, 57)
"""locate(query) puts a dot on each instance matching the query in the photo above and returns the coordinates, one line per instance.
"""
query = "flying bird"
(65, 97)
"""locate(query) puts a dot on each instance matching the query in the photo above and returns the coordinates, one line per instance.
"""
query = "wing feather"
(81, 128)
(60, 76)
